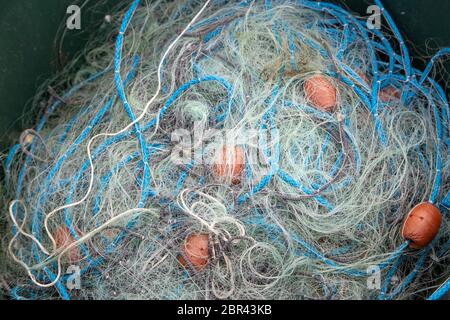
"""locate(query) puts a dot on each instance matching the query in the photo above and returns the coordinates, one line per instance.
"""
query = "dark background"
(28, 29)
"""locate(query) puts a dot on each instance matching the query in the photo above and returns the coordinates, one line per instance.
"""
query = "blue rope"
(439, 293)
(145, 192)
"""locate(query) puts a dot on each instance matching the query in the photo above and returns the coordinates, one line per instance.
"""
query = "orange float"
(229, 164)
(388, 94)
(321, 93)
(196, 250)
(28, 139)
(421, 225)
(63, 238)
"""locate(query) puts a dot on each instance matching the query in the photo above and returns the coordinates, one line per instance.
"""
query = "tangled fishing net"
(238, 150)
